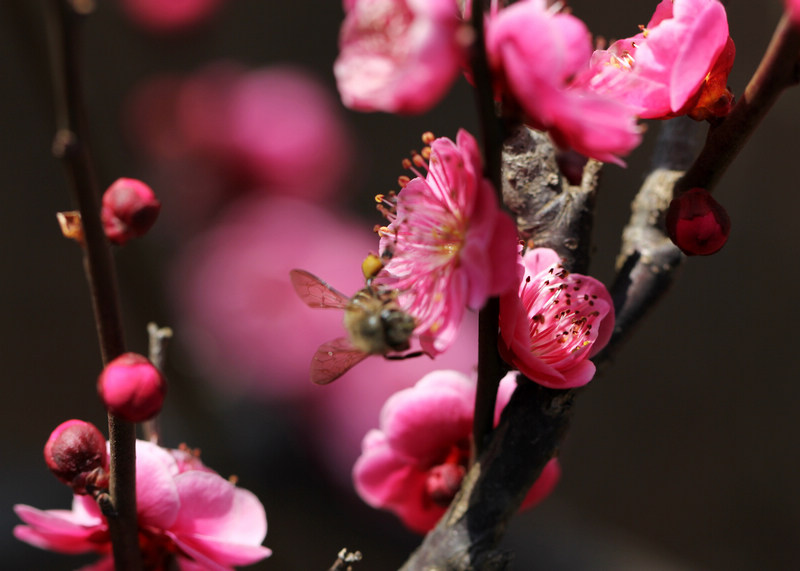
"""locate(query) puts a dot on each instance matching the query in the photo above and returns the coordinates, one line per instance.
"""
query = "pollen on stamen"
(403, 180)
(419, 161)
(428, 137)
(426, 153)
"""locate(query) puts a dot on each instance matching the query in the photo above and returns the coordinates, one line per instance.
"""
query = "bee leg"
(406, 356)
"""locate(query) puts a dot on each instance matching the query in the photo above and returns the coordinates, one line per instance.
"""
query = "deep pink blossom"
(170, 16)
(414, 465)
(184, 510)
(793, 10)
(451, 246)
(536, 53)
(226, 130)
(398, 56)
(555, 322)
(683, 55)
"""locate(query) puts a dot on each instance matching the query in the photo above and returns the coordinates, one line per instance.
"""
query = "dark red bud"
(76, 454)
(129, 210)
(697, 224)
(132, 388)
(443, 482)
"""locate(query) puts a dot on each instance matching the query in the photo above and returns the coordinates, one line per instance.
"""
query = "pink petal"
(427, 420)
(58, 530)
(156, 496)
(213, 507)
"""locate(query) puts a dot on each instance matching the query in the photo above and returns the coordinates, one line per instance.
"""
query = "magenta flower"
(398, 56)
(679, 61)
(555, 323)
(793, 10)
(172, 16)
(535, 54)
(413, 465)
(451, 246)
(185, 511)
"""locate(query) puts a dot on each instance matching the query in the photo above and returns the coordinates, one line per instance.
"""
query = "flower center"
(562, 315)
(444, 480)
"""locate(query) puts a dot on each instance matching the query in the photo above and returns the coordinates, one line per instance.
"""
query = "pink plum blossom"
(555, 322)
(238, 312)
(225, 130)
(680, 60)
(185, 510)
(171, 16)
(449, 244)
(398, 56)
(793, 10)
(535, 54)
(413, 465)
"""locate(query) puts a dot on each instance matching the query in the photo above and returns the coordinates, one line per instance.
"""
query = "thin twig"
(777, 71)
(158, 340)
(72, 146)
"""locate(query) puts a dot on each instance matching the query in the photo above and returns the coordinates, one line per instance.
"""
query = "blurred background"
(683, 456)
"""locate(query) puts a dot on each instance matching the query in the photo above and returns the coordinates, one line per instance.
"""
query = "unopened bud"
(129, 210)
(76, 454)
(132, 388)
(697, 223)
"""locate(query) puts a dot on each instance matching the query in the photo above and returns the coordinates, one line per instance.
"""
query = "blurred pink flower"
(555, 323)
(414, 465)
(661, 71)
(225, 130)
(169, 16)
(536, 52)
(451, 246)
(238, 311)
(344, 425)
(398, 56)
(185, 510)
(793, 10)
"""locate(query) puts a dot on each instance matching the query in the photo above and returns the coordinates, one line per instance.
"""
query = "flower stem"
(72, 146)
(778, 70)
(489, 363)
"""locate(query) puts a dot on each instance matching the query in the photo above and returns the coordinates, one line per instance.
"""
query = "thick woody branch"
(72, 146)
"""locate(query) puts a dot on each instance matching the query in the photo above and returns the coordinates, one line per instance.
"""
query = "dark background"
(683, 456)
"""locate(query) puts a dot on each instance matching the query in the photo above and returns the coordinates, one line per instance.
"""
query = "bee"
(374, 321)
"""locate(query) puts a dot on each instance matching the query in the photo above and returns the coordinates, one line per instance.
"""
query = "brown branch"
(72, 146)
(490, 366)
(158, 339)
(777, 71)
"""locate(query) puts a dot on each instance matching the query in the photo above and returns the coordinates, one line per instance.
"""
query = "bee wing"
(333, 359)
(315, 292)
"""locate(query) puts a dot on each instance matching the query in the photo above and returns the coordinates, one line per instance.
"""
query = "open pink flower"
(449, 243)
(683, 55)
(555, 322)
(413, 465)
(398, 56)
(535, 53)
(185, 511)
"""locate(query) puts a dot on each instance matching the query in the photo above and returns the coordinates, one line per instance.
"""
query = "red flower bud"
(76, 454)
(132, 388)
(129, 210)
(697, 224)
